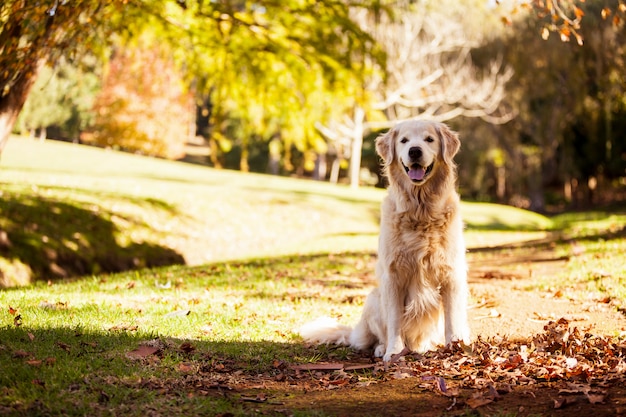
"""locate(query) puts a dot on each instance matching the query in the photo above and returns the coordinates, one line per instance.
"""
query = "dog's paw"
(379, 351)
(462, 337)
(393, 348)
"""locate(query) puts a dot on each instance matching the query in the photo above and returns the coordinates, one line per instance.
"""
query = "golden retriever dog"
(421, 299)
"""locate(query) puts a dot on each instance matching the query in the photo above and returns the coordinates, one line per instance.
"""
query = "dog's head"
(417, 148)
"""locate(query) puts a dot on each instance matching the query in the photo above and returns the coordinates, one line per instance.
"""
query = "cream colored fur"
(421, 299)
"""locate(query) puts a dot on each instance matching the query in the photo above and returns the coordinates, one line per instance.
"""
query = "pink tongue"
(417, 174)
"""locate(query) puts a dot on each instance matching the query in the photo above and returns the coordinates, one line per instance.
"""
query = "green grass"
(72, 210)
(215, 268)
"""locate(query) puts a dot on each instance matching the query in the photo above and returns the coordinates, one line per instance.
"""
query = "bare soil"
(509, 308)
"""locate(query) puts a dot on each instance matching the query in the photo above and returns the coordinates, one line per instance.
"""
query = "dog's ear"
(385, 145)
(450, 143)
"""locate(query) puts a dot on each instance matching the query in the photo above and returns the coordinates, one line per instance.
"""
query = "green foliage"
(63, 97)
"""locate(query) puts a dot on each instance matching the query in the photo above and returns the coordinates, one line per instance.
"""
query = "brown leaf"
(38, 382)
(595, 398)
(34, 362)
(31, 336)
(184, 367)
(141, 352)
(563, 402)
(17, 320)
(12, 311)
(340, 382)
(478, 402)
(187, 347)
(21, 354)
(64, 346)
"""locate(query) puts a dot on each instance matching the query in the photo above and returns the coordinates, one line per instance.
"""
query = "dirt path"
(509, 305)
(510, 302)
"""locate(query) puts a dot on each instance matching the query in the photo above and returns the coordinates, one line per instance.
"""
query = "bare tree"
(429, 75)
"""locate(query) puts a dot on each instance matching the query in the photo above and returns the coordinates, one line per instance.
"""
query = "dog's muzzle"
(417, 173)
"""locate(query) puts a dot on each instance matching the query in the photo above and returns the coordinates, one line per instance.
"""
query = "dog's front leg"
(393, 303)
(455, 309)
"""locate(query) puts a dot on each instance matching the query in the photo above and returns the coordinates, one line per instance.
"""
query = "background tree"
(429, 73)
(34, 33)
(144, 105)
(561, 148)
(212, 37)
(62, 99)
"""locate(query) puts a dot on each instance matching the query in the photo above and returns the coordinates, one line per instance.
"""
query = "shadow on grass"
(69, 371)
(557, 237)
(44, 238)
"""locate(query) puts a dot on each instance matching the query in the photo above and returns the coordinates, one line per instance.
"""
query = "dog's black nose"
(415, 153)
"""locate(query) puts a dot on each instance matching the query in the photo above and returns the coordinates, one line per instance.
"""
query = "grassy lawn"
(150, 286)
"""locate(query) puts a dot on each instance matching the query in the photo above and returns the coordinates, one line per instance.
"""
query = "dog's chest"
(422, 247)
(426, 232)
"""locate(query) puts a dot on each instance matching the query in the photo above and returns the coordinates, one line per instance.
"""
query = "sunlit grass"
(71, 210)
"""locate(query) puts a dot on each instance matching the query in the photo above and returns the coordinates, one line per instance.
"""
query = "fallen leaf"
(595, 398)
(64, 346)
(493, 314)
(563, 402)
(31, 336)
(38, 382)
(34, 362)
(21, 354)
(340, 382)
(184, 367)
(12, 311)
(17, 320)
(142, 351)
(187, 347)
(478, 402)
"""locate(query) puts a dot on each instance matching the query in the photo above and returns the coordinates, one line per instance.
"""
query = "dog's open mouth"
(418, 173)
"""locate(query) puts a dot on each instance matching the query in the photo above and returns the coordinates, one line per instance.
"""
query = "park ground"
(117, 307)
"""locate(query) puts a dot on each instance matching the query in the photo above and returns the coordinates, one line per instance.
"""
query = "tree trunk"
(334, 171)
(319, 173)
(12, 102)
(357, 146)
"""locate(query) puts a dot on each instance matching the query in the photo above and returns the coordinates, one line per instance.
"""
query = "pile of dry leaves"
(586, 365)
(583, 368)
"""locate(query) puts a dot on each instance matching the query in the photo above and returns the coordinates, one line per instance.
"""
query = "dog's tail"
(326, 330)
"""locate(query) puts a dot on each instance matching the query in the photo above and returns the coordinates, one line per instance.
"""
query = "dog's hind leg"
(367, 332)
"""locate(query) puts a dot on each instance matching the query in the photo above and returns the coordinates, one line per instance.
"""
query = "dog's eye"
(429, 139)
(404, 140)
